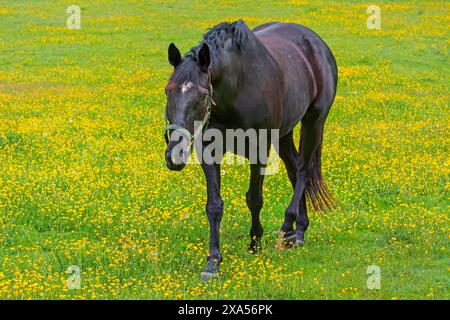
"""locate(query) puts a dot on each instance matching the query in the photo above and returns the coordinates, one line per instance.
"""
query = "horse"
(271, 77)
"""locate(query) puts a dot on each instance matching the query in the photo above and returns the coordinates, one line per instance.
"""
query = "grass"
(83, 180)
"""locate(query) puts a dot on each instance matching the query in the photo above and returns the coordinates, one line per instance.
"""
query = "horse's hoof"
(207, 276)
(300, 239)
(254, 248)
(211, 271)
(253, 251)
(286, 241)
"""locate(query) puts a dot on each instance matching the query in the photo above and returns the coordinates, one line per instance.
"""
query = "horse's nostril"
(175, 167)
(174, 164)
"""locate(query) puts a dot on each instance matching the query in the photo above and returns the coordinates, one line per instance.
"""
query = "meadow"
(83, 180)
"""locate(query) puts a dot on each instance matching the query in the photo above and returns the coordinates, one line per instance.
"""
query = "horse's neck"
(224, 81)
(230, 70)
(237, 71)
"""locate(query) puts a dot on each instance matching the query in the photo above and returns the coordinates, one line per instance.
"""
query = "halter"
(201, 129)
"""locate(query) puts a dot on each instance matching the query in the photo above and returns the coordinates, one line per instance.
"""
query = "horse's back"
(307, 64)
(309, 43)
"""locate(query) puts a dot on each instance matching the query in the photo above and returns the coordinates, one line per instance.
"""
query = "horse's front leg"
(214, 211)
(254, 199)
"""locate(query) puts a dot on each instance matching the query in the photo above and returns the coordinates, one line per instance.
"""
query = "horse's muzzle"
(176, 157)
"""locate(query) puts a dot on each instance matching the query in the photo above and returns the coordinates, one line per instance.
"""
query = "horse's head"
(189, 98)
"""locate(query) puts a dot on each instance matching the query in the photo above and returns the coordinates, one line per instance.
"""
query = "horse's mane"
(215, 38)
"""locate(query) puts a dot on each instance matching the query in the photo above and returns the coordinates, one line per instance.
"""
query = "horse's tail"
(316, 190)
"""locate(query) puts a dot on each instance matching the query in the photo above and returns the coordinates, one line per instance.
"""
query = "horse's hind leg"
(302, 221)
(254, 199)
(309, 159)
(291, 157)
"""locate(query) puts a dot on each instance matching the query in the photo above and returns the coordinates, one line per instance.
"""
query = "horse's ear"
(204, 57)
(174, 55)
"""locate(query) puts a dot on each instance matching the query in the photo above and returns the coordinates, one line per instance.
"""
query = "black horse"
(271, 77)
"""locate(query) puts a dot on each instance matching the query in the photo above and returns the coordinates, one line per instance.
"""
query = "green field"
(83, 180)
